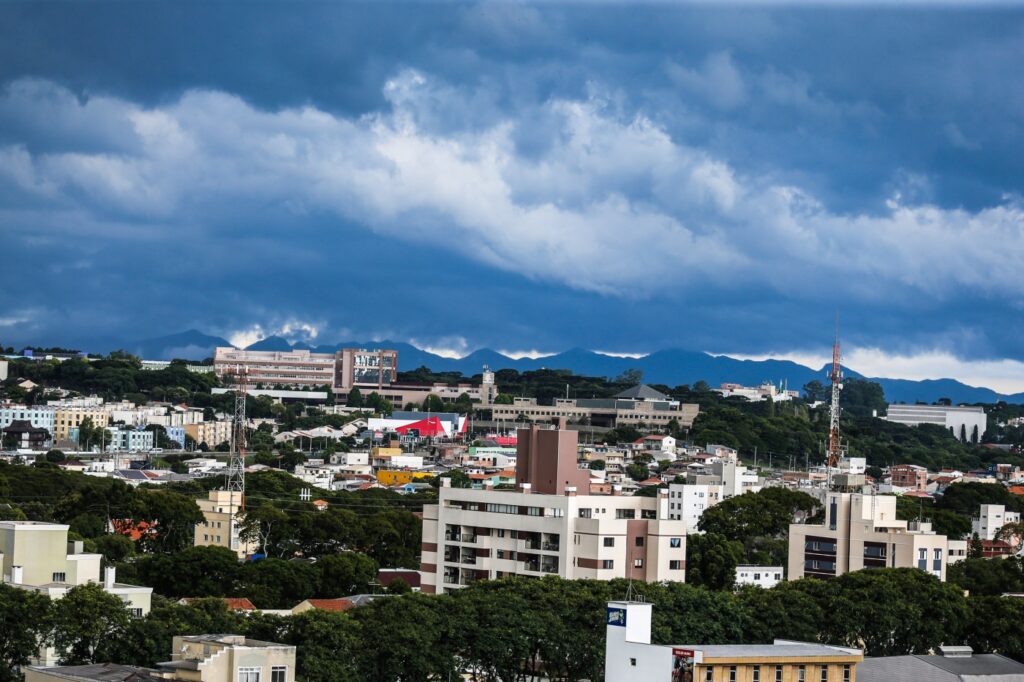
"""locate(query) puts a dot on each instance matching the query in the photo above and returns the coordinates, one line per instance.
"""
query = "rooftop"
(103, 672)
(642, 392)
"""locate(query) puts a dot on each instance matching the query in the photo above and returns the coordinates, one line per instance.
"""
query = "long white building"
(546, 527)
(965, 423)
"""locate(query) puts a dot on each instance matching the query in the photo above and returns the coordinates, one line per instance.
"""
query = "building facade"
(965, 423)
(222, 513)
(38, 416)
(990, 520)
(759, 576)
(640, 406)
(129, 440)
(862, 531)
(909, 476)
(546, 527)
(67, 420)
(212, 433)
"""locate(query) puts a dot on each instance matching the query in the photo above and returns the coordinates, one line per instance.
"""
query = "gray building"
(965, 423)
(953, 664)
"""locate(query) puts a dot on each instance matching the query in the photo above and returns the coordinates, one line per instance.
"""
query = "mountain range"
(671, 366)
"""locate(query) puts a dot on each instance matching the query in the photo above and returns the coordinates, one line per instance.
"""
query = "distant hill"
(188, 345)
(672, 366)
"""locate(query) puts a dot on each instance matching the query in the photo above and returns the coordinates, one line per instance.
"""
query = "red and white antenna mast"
(236, 461)
(835, 451)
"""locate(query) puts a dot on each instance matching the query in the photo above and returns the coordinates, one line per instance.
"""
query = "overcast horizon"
(524, 177)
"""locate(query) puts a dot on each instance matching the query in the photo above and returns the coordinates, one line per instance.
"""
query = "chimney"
(109, 577)
(17, 575)
(570, 491)
(526, 488)
(616, 490)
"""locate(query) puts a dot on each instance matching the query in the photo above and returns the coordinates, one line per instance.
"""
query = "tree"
(815, 391)
(630, 376)
(767, 512)
(504, 399)
(278, 584)
(433, 403)
(638, 472)
(597, 465)
(327, 644)
(55, 456)
(355, 398)
(344, 574)
(203, 571)
(267, 527)
(417, 631)
(25, 621)
(711, 560)
(172, 518)
(88, 620)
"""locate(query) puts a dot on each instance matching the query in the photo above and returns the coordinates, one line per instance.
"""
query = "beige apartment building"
(65, 419)
(343, 370)
(222, 513)
(212, 433)
(861, 531)
(194, 658)
(545, 527)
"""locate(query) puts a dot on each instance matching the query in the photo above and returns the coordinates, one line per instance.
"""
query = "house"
(759, 576)
(194, 658)
(232, 603)
(21, 434)
(340, 604)
(409, 576)
(952, 664)
(658, 443)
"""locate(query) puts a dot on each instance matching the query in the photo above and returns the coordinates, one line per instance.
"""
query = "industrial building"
(966, 423)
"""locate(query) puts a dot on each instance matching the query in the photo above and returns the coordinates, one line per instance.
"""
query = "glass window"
(732, 673)
(249, 674)
(639, 542)
(801, 674)
(778, 673)
(824, 673)
(607, 563)
(609, 542)
(675, 542)
(638, 563)
(59, 577)
(675, 565)
(846, 673)
(709, 674)
(756, 674)
(279, 673)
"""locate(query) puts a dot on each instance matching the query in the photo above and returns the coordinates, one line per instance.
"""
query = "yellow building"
(211, 433)
(67, 418)
(630, 656)
(222, 513)
(396, 477)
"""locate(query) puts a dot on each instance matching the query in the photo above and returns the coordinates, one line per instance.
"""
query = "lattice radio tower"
(835, 449)
(236, 462)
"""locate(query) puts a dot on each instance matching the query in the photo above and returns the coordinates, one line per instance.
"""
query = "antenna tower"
(236, 463)
(836, 376)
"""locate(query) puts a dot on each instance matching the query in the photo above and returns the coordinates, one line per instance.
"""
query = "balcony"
(550, 546)
(469, 560)
(467, 538)
(533, 544)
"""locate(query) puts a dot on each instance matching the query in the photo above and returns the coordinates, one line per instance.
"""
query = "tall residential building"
(703, 489)
(212, 433)
(965, 423)
(222, 514)
(546, 527)
(990, 519)
(194, 658)
(67, 420)
(862, 531)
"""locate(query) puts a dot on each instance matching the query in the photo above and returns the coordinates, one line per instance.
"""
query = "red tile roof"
(339, 604)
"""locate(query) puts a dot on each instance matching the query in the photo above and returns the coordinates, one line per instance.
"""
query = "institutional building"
(546, 527)
(965, 423)
(637, 406)
(631, 657)
(862, 531)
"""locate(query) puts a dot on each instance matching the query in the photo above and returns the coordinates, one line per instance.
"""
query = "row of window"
(801, 673)
(278, 673)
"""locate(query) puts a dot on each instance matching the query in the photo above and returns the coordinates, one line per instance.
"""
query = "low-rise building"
(862, 531)
(909, 477)
(546, 527)
(129, 440)
(952, 664)
(759, 576)
(40, 417)
(631, 657)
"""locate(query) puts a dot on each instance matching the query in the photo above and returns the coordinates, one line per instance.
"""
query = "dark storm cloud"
(518, 176)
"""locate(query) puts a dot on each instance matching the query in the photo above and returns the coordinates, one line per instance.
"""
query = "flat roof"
(780, 649)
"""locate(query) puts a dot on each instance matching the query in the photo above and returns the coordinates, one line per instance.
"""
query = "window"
(607, 563)
(625, 513)
(632, 662)
(732, 673)
(833, 514)
(279, 673)
(675, 543)
(638, 563)
(135, 613)
(709, 674)
(801, 674)
(922, 559)
(778, 673)
(59, 577)
(937, 563)
(846, 673)
(639, 542)
(249, 674)
(756, 674)
(757, 576)
(675, 565)
(609, 542)
(584, 512)
(824, 673)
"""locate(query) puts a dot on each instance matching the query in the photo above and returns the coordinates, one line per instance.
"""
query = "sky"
(523, 177)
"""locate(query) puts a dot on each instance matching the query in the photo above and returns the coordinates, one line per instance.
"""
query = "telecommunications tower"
(236, 462)
(835, 450)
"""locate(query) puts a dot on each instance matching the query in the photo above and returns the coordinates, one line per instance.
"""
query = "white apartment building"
(862, 531)
(966, 423)
(708, 486)
(759, 576)
(766, 391)
(478, 534)
(40, 417)
(990, 519)
(688, 502)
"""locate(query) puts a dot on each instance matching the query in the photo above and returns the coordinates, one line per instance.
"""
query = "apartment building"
(965, 423)
(546, 527)
(67, 420)
(630, 656)
(129, 440)
(707, 486)
(637, 406)
(862, 531)
(194, 658)
(37, 556)
(222, 512)
(759, 576)
(212, 433)
(38, 416)
(990, 520)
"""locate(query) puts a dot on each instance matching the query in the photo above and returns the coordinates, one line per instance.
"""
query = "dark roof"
(988, 667)
(642, 392)
(101, 672)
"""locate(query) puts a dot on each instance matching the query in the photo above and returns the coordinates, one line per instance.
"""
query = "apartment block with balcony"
(545, 527)
(212, 433)
(861, 531)
(222, 511)
(67, 420)
(990, 520)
